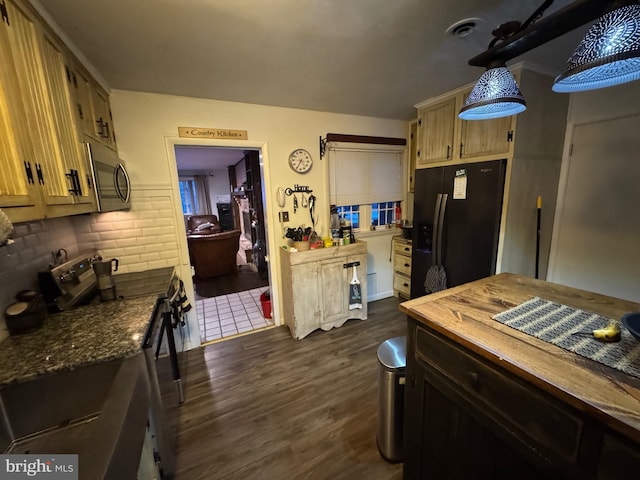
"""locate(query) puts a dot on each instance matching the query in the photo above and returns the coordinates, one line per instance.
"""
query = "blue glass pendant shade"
(608, 55)
(495, 95)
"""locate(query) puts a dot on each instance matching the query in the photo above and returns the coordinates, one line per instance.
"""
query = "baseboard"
(380, 296)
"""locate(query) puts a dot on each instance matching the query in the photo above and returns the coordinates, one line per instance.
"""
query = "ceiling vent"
(462, 28)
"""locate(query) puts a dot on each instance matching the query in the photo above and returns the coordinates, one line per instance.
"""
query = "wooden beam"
(339, 137)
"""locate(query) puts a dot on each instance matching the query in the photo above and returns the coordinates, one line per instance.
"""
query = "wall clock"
(300, 161)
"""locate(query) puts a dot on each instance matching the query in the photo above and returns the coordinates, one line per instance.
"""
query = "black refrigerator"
(456, 222)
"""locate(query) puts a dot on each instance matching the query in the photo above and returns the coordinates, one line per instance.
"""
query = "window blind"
(362, 176)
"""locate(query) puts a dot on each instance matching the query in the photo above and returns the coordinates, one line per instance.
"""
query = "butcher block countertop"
(464, 315)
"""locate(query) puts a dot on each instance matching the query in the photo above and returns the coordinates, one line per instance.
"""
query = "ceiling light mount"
(608, 55)
(539, 32)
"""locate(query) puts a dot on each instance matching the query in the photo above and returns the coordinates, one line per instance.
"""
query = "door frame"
(262, 149)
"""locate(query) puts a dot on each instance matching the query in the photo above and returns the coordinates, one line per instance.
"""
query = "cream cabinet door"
(305, 299)
(435, 132)
(75, 161)
(81, 87)
(18, 174)
(334, 284)
(102, 116)
(485, 137)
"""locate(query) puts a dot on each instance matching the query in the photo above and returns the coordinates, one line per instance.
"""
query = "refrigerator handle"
(434, 240)
(443, 208)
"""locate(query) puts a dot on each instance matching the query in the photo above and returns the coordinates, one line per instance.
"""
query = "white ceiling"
(364, 57)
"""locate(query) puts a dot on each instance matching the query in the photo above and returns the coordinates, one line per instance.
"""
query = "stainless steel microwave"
(110, 177)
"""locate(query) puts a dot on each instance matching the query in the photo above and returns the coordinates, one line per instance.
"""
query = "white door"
(596, 237)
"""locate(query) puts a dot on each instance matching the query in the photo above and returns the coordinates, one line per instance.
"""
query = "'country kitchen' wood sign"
(223, 133)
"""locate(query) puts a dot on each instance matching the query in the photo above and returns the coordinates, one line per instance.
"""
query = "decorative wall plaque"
(223, 133)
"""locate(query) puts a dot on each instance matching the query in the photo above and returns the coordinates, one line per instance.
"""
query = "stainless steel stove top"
(74, 283)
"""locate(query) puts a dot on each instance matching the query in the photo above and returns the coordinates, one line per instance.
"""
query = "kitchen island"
(484, 400)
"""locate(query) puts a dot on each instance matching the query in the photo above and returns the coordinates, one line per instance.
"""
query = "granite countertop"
(88, 334)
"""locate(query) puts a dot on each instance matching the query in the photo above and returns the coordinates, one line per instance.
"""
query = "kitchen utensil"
(26, 296)
(106, 285)
(25, 317)
(632, 323)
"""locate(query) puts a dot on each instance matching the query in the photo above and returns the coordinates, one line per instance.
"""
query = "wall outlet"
(284, 217)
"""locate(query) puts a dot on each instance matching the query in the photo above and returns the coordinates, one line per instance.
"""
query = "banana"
(610, 333)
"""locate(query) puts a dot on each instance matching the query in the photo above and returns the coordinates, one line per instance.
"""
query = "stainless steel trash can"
(392, 361)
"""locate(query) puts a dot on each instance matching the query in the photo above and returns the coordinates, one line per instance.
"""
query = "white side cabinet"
(315, 286)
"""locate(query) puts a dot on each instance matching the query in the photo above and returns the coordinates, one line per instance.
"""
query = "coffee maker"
(106, 285)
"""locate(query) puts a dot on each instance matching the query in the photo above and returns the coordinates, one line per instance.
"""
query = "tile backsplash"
(142, 238)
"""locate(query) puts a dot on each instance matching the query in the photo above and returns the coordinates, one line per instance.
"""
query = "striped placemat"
(556, 323)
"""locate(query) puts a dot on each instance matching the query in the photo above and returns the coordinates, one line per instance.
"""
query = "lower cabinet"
(468, 419)
(401, 248)
(316, 284)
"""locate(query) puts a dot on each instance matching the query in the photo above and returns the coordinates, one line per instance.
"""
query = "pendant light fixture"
(608, 55)
(496, 94)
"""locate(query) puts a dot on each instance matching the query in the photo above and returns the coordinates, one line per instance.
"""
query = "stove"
(74, 283)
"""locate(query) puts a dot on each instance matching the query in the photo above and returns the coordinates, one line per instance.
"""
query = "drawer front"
(402, 284)
(523, 408)
(402, 248)
(402, 263)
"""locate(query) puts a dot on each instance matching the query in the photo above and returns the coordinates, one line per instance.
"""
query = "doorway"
(222, 196)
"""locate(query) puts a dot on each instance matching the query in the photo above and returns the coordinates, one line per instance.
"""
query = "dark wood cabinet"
(482, 402)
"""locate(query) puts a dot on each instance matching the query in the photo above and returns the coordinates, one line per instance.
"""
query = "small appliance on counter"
(68, 284)
(104, 274)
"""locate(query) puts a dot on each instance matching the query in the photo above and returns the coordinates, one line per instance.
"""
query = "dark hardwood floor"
(245, 278)
(265, 406)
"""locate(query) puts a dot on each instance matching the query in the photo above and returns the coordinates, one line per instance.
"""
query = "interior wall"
(608, 181)
(147, 124)
(31, 253)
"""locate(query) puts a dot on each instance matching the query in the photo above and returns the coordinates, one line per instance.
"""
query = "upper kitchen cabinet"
(43, 121)
(444, 138)
(92, 107)
(479, 138)
(103, 120)
(18, 175)
(436, 128)
(413, 153)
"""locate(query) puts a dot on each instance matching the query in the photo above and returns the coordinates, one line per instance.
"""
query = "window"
(383, 213)
(188, 195)
(351, 213)
(366, 183)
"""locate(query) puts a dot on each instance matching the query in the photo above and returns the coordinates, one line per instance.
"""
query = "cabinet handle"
(89, 182)
(407, 249)
(474, 380)
(107, 133)
(76, 188)
(78, 184)
(27, 168)
(407, 265)
(418, 153)
(461, 149)
(448, 151)
(80, 112)
(405, 284)
(39, 174)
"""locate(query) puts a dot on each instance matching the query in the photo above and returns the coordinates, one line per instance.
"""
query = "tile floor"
(229, 315)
